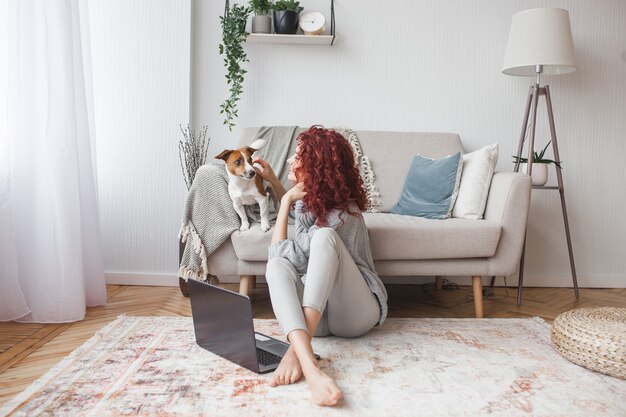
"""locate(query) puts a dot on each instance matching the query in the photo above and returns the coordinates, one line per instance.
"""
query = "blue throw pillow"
(430, 187)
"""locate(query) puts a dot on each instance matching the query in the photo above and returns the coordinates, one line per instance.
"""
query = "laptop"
(222, 321)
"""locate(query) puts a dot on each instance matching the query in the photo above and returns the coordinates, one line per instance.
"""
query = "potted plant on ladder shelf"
(540, 166)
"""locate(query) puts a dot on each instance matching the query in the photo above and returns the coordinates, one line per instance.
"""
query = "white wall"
(140, 58)
(403, 65)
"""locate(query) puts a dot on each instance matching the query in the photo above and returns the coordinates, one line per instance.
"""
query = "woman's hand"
(294, 194)
(265, 171)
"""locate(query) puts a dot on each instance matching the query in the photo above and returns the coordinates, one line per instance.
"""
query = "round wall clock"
(312, 23)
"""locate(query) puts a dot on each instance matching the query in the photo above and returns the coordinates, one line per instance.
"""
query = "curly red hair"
(328, 171)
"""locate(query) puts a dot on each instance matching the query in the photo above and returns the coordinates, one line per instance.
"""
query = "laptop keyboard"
(265, 358)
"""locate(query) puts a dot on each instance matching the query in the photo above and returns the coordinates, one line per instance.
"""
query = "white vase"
(540, 172)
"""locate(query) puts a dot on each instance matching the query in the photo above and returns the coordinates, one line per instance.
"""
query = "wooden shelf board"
(545, 187)
(290, 39)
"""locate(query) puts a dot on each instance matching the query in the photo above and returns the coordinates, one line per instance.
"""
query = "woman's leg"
(335, 282)
(286, 291)
(286, 294)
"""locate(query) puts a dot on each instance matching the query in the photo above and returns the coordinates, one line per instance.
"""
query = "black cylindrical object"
(285, 22)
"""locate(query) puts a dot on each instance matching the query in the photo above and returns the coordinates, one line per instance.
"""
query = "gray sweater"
(352, 231)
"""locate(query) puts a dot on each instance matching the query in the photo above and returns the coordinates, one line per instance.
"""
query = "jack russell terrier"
(245, 186)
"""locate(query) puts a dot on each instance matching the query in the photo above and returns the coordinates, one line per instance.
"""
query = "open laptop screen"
(222, 321)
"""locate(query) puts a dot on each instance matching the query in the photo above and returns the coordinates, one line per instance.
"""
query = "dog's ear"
(225, 154)
(258, 144)
(250, 150)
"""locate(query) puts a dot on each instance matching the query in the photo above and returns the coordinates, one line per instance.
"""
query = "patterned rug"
(147, 366)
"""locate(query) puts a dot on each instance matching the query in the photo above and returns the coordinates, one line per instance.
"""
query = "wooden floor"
(27, 351)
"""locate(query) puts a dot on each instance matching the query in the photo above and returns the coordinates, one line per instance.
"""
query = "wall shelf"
(298, 39)
(290, 39)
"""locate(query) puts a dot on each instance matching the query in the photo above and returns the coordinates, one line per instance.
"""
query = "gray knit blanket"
(210, 218)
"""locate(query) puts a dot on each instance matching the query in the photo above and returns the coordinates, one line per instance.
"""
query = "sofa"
(406, 245)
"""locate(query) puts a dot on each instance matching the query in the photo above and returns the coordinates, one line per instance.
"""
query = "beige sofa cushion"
(396, 237)
(252, 244)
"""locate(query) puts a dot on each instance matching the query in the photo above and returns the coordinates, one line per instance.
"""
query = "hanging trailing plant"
(233, 36)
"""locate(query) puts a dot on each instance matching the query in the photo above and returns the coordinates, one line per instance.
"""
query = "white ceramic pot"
(540, 172)
(261, 24)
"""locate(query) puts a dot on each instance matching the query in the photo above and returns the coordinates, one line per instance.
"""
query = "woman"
(340, 293)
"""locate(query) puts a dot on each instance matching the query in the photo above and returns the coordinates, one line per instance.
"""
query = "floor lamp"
(540, 42)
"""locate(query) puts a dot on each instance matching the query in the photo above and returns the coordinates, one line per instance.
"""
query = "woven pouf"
(593, 337)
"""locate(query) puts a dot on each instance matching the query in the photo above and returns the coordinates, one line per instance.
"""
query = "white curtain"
(50, 258)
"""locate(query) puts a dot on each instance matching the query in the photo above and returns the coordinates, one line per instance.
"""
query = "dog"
(245, 186)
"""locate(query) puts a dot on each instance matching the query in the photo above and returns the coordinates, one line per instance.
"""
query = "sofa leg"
(244, 284)
(477, 286)
(439, 282)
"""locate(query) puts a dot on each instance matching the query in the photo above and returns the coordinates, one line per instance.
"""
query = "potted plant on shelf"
(286, 16)
(233, 36)
(540, 166)
(261, 21)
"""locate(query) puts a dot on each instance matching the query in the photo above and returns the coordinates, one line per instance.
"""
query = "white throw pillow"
(478, 168)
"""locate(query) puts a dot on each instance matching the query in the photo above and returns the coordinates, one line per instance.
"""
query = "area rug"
(147, 366)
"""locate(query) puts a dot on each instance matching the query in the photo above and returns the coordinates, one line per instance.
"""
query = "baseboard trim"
(557, 280)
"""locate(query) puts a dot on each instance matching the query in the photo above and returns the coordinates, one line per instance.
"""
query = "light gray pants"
(334, 287)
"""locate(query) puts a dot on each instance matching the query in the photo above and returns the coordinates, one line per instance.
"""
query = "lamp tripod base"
(531, 111)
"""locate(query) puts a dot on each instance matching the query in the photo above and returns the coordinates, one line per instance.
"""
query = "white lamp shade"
(540, 37)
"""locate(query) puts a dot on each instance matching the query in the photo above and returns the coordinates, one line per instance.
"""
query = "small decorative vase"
(540, 172)
(261, 24)
(285, 22)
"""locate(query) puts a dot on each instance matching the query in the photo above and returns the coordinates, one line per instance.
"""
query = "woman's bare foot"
(323, 388)
(289, 370)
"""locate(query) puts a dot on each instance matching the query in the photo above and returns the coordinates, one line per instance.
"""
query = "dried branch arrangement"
(192, 150)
